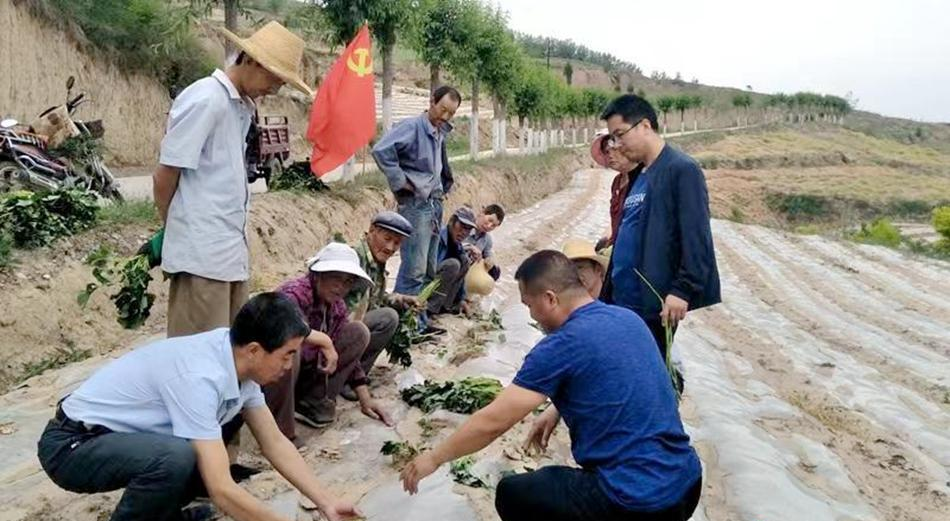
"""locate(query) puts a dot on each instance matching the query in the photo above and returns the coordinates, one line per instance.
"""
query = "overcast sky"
(894, 56)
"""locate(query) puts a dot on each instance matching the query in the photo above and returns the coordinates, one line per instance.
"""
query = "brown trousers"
(197, 304)
(305, 381)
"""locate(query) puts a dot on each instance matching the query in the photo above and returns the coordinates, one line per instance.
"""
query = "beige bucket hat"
(581, 249)
(276, 49)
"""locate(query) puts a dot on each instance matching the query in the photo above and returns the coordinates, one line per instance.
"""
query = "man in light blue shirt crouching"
(155, 421)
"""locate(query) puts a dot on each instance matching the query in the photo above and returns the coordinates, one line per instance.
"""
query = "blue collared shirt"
(205, 233)
(410, 156)
(185, 387)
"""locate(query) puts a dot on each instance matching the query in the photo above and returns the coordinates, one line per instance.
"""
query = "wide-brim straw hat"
(276, 49)
(580, 249)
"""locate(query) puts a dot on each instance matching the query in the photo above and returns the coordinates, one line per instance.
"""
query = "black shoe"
(434, 330)
(198, 511)
(349, 394)
(315, 413)
(241, 472)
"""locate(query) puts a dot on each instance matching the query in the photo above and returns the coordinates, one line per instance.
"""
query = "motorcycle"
(26, 160)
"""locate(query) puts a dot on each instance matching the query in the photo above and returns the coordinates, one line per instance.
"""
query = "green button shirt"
(359, 301)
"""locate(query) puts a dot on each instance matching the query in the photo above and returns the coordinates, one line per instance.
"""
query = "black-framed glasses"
(614, 139)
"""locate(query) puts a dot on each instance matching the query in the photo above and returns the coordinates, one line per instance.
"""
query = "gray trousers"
(159, 473)
(382, 324)
(446, 298)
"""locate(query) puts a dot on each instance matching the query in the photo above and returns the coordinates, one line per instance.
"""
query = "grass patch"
(457, 144)
(148, 36)
(808, 229)
(736, 215)
(61, 357)
(128, 212)
(798, 207)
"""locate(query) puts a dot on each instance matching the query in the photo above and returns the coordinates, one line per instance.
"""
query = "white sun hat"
(338, 257)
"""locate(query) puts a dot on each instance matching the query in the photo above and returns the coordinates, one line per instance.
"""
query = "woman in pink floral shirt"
(331, 355)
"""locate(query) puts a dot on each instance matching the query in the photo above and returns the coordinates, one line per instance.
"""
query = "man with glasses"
(664, 238)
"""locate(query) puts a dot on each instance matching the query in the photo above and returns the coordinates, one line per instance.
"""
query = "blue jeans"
(419, 251)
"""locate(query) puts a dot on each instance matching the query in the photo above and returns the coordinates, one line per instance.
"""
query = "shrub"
(149, 36)
(297, 177)
(881, 232)
(941, 221)
(33, 220)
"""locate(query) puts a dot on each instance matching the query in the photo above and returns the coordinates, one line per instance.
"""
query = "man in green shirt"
(373, 306)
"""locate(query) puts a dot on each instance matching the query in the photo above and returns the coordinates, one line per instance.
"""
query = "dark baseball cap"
(394, 222)
(466, 216)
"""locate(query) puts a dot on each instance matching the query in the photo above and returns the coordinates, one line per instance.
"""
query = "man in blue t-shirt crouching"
(598, 366)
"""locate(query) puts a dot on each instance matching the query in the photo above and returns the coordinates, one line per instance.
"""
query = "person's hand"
(340, 510)
(467, 308)
(474, 254)
(329, 359)
(422, 466)
(407, 301)
(541, 431)
(674, 310)
(374, 410)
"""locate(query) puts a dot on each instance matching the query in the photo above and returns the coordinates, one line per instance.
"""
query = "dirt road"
(819, 390)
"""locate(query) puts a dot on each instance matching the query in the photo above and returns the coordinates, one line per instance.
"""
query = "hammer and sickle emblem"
(363, 64)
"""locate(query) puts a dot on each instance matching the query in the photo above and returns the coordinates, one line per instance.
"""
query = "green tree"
(741, 101)
(665, 104)
(438, 35)
(682, 103)
(479, 29)
(232, 9)
(696, 102)
(386, 19)
(500, 70)
(594, 101)
(529, 94)
(568, 73)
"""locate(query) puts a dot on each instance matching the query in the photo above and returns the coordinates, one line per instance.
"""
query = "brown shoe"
(316, 413)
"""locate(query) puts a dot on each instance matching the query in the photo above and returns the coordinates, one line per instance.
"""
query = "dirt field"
(819, 389)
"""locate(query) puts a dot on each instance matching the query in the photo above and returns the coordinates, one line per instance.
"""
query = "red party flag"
(343, 117)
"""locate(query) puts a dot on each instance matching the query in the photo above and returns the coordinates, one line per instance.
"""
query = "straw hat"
(339, 257)
(581, 249)
(276, 49)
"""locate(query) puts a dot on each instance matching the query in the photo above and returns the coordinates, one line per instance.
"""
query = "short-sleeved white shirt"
(185, 386)
(206, 230)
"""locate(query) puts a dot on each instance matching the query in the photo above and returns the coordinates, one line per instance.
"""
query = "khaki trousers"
(197, 304)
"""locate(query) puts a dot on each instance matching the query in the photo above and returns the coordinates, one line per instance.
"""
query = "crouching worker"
(598, 365)
(454, 262)
(479, 243)
(372, 305)
(330, 356)
(155, 421)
